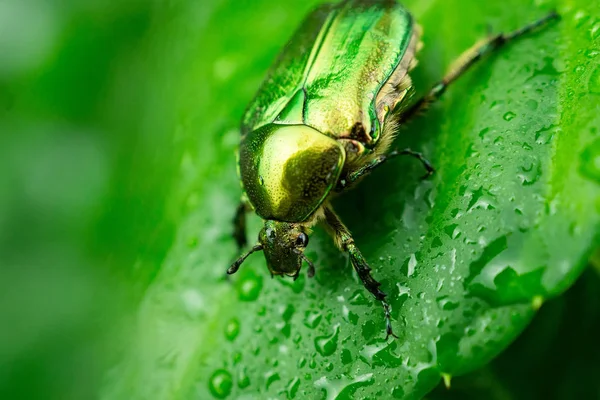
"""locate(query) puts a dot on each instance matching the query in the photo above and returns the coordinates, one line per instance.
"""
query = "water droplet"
(326, 345)
(509, 116)
(595, 31)
(453, 231)
(312, 319)
(502, 276)
(343, 388)
(482, 199)
(232, 329)
(412, 263)
(398, 392)
(249, 287)
(297, 338)
(270, 378)
(287, 312)
(545, 135)
(447, 304)
(292, 388)
(594, 82)
(243, 379)
(591, 53)
(346, 357)
(580, 18)
(301, 362)
(496, 104)
(531, 173)
(358, 299)
(220, 384)
(531, 104)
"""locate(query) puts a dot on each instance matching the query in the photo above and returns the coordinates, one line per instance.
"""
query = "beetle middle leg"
(344, 241)
(353, 176)
(239, 224)
(467, 60)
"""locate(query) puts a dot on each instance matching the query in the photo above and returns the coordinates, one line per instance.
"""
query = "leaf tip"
(537, 302)
(447, 380)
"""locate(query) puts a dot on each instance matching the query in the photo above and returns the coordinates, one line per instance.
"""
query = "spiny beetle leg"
(356, 175)
(468, 59)
(345, 242)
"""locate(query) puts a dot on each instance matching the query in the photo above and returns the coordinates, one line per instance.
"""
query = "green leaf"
(508, 221)
(560, 346)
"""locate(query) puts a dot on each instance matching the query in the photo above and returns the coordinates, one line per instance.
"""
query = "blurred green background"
(107, 111)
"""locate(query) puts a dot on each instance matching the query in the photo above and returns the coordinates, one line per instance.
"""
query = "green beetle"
(325, 116)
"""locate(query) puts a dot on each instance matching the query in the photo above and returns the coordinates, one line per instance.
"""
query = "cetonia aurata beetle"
(325, 116)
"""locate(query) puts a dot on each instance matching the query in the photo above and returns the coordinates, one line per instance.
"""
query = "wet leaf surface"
(560, 346)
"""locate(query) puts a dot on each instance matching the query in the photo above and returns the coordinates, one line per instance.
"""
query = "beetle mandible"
(325, 116)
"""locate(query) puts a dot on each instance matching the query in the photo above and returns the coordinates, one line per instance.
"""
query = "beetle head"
(283, 244)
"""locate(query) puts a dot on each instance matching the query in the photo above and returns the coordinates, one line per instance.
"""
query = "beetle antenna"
(311, 266)
(236, 265)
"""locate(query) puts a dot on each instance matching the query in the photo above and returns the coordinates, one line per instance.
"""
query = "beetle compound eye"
(302, 240)
(270, 234)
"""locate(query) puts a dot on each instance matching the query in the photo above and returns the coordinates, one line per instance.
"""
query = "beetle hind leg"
(344, 241)
(468, 59)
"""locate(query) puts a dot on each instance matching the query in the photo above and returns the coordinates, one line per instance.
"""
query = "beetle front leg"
(344, 241)
(239, 224)
(377, 161)
(467, 60)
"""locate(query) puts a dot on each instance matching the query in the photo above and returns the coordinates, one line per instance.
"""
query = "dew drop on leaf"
(594, 81)
(358, 298)
(530, 174)
(509, 116)
(232, 329)
(343, 388)
(327, 345)
(270, 378)
(531, 104)
(249, 287)
(243, 380)
(292, 388)
(447, 304)
(346, 356)
(595, 31)
(220, 384)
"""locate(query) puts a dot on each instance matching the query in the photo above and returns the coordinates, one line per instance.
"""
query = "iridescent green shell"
(331, 71)
(287, 171)
(326, 85)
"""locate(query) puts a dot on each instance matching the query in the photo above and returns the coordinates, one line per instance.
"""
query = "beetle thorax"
(288, 171)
